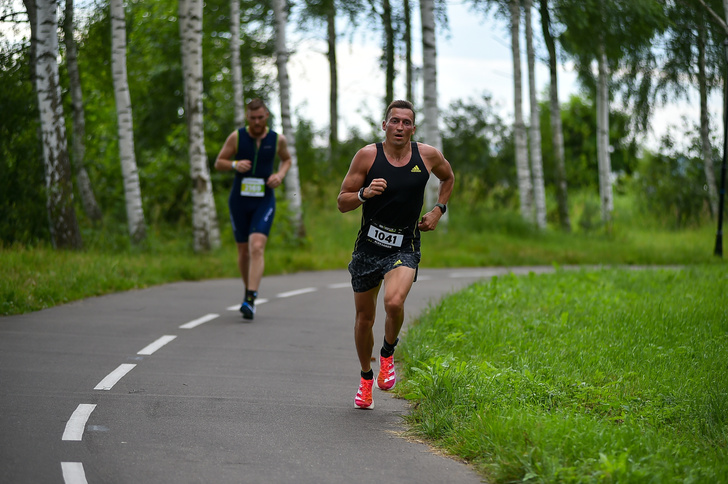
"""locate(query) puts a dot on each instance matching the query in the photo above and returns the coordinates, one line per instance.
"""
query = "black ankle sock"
(388, 349)
(368, 375)
(250, 296)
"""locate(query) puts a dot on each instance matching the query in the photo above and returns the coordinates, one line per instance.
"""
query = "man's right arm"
(225, 158)
(348, 198)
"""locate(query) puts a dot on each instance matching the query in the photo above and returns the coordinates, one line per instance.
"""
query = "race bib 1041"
(252, 187)
(385, 237)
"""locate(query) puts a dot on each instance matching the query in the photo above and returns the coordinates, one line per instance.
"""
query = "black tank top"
(389, 221)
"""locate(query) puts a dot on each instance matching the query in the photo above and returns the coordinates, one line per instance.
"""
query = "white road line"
(148, 350)
(199, 321)
(340, 285)
(114, 377)
(297, 292)
(258, 302)
(77, 423)
(73, 473)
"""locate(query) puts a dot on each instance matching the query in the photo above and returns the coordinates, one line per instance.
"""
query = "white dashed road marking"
(298, 292)
(199, 321)
(73, 473)
(148, 350)
(114, 377)
(77, 423)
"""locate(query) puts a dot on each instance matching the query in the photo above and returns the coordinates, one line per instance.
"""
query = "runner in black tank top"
(389, 221)
(388, 180)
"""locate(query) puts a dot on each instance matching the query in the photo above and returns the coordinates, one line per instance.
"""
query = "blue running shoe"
(248, 310)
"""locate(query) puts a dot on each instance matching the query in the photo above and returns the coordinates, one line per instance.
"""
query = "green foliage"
(586, 376)
(23, 216)
(666, 185)
(480, 149)
(578, 118)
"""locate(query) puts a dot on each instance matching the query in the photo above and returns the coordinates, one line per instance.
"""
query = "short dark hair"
(400, 104)
(256, 103)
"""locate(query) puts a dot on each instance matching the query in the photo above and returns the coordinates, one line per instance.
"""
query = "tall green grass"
(477, 235)
(578, 376)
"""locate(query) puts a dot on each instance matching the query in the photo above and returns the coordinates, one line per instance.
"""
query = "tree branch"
(717, 17)
(12, 17)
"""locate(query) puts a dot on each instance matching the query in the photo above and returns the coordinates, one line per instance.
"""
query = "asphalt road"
(171, 385)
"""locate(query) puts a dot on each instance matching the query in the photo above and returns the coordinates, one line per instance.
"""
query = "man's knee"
(394, 304)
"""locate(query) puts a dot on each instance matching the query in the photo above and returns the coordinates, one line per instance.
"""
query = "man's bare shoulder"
(428, 151)
(370, 149)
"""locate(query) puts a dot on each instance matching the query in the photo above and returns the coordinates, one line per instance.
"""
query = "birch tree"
(64, 230)
(204, 216)
(292, 181)
(130, 173)
(539, 190)
(432, 112)
(603, 160)
(83, 182)
(525, 189)
(333, 78)
(557, 133)
(235, 65)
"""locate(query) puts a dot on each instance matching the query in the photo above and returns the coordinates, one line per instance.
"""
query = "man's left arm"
(276, 178)
(441, 168)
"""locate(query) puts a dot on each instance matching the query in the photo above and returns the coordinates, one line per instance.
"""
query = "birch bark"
(129, 171)
(235, 65)
(603, 160)
(292, 181)
(204, 216)
(539, 190)
(432, 112)
(64, 230)
(525, 189)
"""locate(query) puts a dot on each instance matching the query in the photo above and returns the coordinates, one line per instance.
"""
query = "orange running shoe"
(363, 397)
(386, 378)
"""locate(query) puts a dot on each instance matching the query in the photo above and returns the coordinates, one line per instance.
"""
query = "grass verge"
(577, 376)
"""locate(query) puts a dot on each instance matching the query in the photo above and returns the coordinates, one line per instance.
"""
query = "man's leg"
(257, 242)
(397, 284)
(366, 311)
(243, 261)
(366, 307)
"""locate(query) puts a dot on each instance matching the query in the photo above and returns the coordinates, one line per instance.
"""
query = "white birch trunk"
(292, 181)
(59, 186)
(129, 171)
(204, 216)
(705, 127)
(79, 121)
(525, 189)
(557, 134)
(539, 190)
(235, 65)
(433, 136)
(333, 81)
(603, 160)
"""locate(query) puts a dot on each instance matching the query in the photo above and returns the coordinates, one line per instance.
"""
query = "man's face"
(257, 121)
(399, 126)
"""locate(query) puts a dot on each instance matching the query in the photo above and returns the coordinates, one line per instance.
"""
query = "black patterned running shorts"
(368, 270)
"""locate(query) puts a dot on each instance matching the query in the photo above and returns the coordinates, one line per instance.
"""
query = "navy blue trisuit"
(253, 204)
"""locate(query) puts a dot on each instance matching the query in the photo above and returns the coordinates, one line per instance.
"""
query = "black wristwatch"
(442, 206)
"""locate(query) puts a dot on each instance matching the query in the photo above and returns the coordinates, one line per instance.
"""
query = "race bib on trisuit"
(252, 187)
(385, 236)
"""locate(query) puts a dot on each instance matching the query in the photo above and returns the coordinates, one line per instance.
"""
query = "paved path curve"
(169, 384)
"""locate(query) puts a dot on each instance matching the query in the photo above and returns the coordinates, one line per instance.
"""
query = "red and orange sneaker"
(363, 397)
(386, 378)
